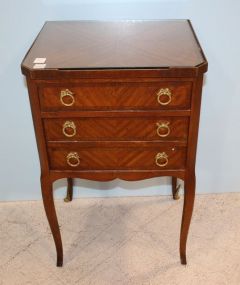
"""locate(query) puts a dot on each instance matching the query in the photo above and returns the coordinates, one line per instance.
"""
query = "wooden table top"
(116, 44)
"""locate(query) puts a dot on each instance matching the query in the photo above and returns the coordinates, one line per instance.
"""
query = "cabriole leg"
(69, 195)
(47, 194)
(189, 195)
(175, 189)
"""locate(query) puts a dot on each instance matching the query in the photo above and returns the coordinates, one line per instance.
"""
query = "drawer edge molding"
(114, 144)
(116, 113)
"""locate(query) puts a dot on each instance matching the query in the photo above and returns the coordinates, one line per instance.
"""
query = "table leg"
(175, 189)
(189, 195)
(47, 194)
(69, 195)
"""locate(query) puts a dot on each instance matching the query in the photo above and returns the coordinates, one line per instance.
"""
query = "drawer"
(110, 158)
(93, 129)
(150, 95)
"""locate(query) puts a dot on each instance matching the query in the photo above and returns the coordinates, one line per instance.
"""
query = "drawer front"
(93, 129)
(160, 158)
(160, 95)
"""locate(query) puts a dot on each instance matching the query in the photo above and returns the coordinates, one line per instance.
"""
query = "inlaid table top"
(122, 44)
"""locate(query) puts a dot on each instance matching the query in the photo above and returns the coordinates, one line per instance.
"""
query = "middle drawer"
(117, 129)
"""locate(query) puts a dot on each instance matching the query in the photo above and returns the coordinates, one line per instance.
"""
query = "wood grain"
(118, 129)
(116, 44)
(116, 95)
(117, 158)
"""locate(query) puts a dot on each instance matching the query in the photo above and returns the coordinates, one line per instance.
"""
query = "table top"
(116, 44)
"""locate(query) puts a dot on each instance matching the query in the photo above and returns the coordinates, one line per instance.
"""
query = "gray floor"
(122, 241)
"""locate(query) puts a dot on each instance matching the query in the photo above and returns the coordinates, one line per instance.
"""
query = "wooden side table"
(116, 100)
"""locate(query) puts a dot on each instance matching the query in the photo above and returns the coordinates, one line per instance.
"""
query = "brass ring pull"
(69, 125)
(73, 159)
(161, 159)
(165, 127)
(164, 92)
(67, 94)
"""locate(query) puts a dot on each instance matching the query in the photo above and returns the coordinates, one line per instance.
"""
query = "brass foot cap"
(67, 199)
(176, 196)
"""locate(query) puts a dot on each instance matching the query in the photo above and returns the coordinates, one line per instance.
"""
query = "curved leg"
(69, 195)
(189, 195)
(175, 189)
(47, 194)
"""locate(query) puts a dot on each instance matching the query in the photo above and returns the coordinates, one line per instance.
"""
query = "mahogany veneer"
(116, 100)
(136, 128)
(102, 96)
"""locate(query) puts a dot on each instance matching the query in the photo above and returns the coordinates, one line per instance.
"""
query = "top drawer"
(104, 96)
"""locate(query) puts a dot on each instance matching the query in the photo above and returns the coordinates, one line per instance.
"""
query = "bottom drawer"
(107, 158)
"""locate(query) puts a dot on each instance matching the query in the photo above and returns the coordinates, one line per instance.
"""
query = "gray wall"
(217, 25)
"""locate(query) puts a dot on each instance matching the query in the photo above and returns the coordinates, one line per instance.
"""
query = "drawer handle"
(67, 94)
(161, 159)
(164, 92)
(73, 159)
(163, 126)
(69, 125)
